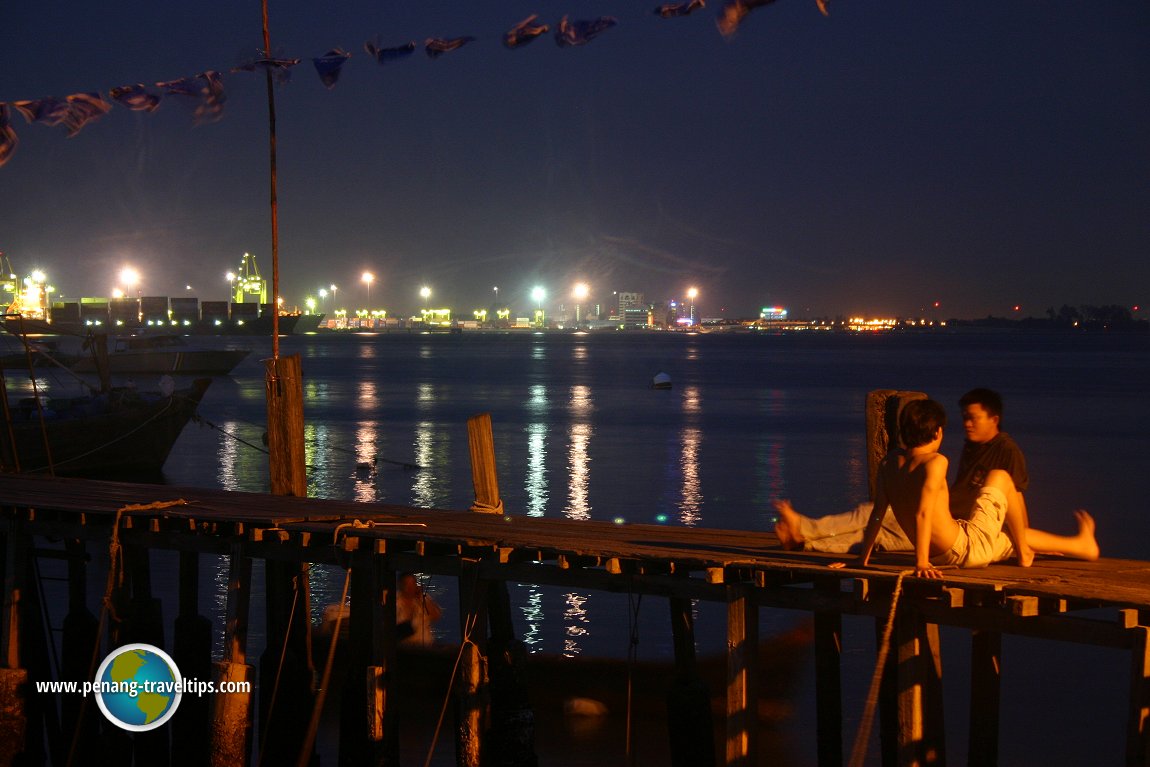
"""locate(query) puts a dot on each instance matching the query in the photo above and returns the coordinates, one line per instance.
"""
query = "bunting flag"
(735, 11)
(384, 55)
(207, 91)
(671, 10)
(581, 32)
(209, 94)
(437, 46)
(50, 111)
(329, 65)
(8, 140)
(135, 97)
(524, 32)
(83, 108)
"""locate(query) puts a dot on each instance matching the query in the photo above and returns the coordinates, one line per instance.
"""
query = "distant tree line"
(1086, 317)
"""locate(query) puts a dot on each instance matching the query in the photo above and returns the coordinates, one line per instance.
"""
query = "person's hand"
(928, 571)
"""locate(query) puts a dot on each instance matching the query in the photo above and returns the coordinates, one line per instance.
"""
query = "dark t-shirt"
(976, 462)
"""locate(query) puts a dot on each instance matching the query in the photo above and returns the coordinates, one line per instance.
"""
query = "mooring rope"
(115, 578)
(487, 508)
(862, 738)
(468, 629)
(279, 669)
(317, 708)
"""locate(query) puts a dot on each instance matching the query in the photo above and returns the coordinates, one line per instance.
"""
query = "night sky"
(982, 154)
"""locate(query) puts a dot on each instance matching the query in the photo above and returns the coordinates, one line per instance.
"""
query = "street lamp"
(692, 293)
(537, 295)
(367, 279)
(580, 293)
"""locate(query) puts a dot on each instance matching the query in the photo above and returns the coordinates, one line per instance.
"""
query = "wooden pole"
(284, 388)
(920, 731)
(13, 679)
(81, 633)
(470, 681)
(285, 671)
(483, 471)
(882, 409)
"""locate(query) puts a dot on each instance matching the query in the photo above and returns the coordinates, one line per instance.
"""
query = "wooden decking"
(1103, 603)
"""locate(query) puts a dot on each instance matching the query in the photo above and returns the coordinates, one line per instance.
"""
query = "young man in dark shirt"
(986, 448)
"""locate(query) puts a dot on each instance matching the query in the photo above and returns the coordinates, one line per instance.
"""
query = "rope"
(317, 709)
(858, 753)
(487, 508)
(226, 433)
(115, 579)
(279, 670)
(468, 629)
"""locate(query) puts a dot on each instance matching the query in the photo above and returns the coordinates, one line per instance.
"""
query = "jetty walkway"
(1103, 603)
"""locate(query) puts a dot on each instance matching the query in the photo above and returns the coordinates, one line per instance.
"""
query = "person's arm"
(933, 486)
(874, 524)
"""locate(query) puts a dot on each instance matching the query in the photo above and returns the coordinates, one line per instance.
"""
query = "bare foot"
(787, 528)
(1025, 556)
(1085, 537)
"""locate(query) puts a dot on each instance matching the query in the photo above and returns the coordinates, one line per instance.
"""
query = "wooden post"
(231, 714)
(283, 379)
(742, 677)
(13, 679)
(81, 629)
(383, 723)
(355, 743)
(192, 652)
(985, 696)
(690, 724)
(512, 734)
(882, 409)
(288, 672)
(483, 471)
(469, 741)
(1138, 728)
(920, 735)
(828, 682)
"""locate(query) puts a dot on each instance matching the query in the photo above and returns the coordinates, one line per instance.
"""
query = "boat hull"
(127, 434)
(210, 362)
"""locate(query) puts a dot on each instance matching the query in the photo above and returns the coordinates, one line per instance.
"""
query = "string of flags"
(204, 92)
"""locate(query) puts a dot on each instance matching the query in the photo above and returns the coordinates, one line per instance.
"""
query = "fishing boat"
(118, 432)
(159, 354)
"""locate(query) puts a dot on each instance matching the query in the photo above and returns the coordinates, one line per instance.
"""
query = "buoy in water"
(661, 381)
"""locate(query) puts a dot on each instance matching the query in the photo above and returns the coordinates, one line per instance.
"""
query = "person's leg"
(836, 533)
(1017, 522)
(1082, 545)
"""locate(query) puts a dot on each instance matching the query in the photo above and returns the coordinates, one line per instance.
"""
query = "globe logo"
(138, 687)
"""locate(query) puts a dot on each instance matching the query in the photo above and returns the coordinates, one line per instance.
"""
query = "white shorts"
(980, 540)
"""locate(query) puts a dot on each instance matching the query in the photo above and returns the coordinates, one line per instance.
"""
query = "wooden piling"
(690, 723)
(286, 670)
(192, 652)
(828, 628)
(882, 410)
(13, 679)
(230, 715)
(742, 677)
(78, 645)
(985, 696)
(283, 380)
(1138, 726)
(918, 674)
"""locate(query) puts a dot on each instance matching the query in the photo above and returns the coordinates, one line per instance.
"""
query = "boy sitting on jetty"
(912, 482)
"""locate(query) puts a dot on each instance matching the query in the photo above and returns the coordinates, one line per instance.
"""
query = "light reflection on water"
(575, 623)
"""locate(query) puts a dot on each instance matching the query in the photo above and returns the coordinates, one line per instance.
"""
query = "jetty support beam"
(828, 628)
(1138, 738)
(230, 730)
(690, 724)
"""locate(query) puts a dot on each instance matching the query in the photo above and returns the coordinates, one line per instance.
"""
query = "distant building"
(633, 311)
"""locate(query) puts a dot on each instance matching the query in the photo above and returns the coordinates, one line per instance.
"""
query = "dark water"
(579, 434)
